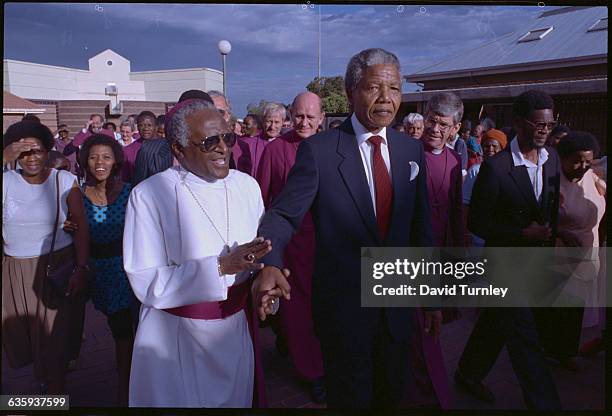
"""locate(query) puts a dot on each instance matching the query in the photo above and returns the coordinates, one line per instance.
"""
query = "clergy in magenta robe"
(247, 153)
(130, 152)
(81, 136)
(429, 384)
(296, 317)
(170, 256)
(444, 181)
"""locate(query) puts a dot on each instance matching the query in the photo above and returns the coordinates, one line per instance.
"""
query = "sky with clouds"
(274, 46)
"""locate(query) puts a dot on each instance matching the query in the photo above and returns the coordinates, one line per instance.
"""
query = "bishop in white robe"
(177, 225)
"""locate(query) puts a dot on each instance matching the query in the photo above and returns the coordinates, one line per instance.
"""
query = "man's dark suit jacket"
(153, 157)
(503, 202)
(328, 179)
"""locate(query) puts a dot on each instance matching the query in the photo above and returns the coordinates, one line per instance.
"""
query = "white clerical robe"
(170, 250)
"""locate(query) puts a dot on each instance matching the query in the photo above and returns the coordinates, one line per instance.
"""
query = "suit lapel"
(400, 169)
(354, 177)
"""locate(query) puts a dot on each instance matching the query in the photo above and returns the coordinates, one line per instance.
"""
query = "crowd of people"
(190, 230)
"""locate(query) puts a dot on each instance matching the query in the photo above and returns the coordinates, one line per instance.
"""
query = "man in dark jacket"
(514, 203)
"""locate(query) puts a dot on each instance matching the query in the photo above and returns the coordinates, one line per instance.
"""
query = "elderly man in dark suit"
(365, 185)
(515, 203)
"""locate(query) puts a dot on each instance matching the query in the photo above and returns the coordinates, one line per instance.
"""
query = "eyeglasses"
(430, 122)
(210, 142)
(541, 125)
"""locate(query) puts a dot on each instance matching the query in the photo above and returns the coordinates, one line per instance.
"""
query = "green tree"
(331, 91)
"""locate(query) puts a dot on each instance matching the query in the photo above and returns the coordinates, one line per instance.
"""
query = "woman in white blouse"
(38, 320)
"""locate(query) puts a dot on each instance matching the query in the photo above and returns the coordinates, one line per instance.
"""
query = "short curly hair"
(525, 104)
(29, 128)
(101, 140)
(577, 141)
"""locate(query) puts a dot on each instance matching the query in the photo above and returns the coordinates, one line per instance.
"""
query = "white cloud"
(274, 45)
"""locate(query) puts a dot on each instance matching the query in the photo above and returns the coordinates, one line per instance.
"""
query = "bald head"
(307, 114)
(308, 97)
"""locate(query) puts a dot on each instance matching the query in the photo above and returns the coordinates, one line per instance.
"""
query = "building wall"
(8, 119)
(75, 113)
(557, 74)
(167, 86)
(49, 117)
(135, 107)
(42, 82)
(45, 82)
(585, 113)
(404, 110)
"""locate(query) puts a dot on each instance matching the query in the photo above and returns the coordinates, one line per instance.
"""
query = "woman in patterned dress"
(105, 198)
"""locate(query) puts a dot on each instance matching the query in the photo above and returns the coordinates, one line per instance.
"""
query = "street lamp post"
(224, 48)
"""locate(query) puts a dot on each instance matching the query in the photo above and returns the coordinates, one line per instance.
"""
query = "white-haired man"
(222, 104)
(273, 116)
(413, 123)
(189, 250)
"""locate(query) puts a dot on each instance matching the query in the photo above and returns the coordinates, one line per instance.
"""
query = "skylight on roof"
(601, 24)
(535, 34)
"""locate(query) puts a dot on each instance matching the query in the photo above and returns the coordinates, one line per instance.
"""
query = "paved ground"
(94, 382)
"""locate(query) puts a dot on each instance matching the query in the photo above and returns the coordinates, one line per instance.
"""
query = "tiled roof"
(13, 102)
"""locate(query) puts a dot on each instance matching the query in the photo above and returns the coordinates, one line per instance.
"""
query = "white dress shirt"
(535, 172)
(367, 153)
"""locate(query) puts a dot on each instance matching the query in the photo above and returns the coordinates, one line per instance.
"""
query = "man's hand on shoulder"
(270, 284)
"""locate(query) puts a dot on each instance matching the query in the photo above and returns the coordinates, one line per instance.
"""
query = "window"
(601, 24)
(109, 63)
(535, 34)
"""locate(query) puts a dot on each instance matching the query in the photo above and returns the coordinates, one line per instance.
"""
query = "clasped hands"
(270, 283)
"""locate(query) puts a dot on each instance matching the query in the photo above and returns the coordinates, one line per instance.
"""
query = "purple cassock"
(72, 156)
(80, 138)
(247, 153)
(296, 316)
(429, 384)
(444, 181)
(129, 160)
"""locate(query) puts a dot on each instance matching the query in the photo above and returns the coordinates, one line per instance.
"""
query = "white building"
(46, 82)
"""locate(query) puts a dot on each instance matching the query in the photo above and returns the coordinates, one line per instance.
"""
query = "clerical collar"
(436, 151)
(362, 134)
(186, 176)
